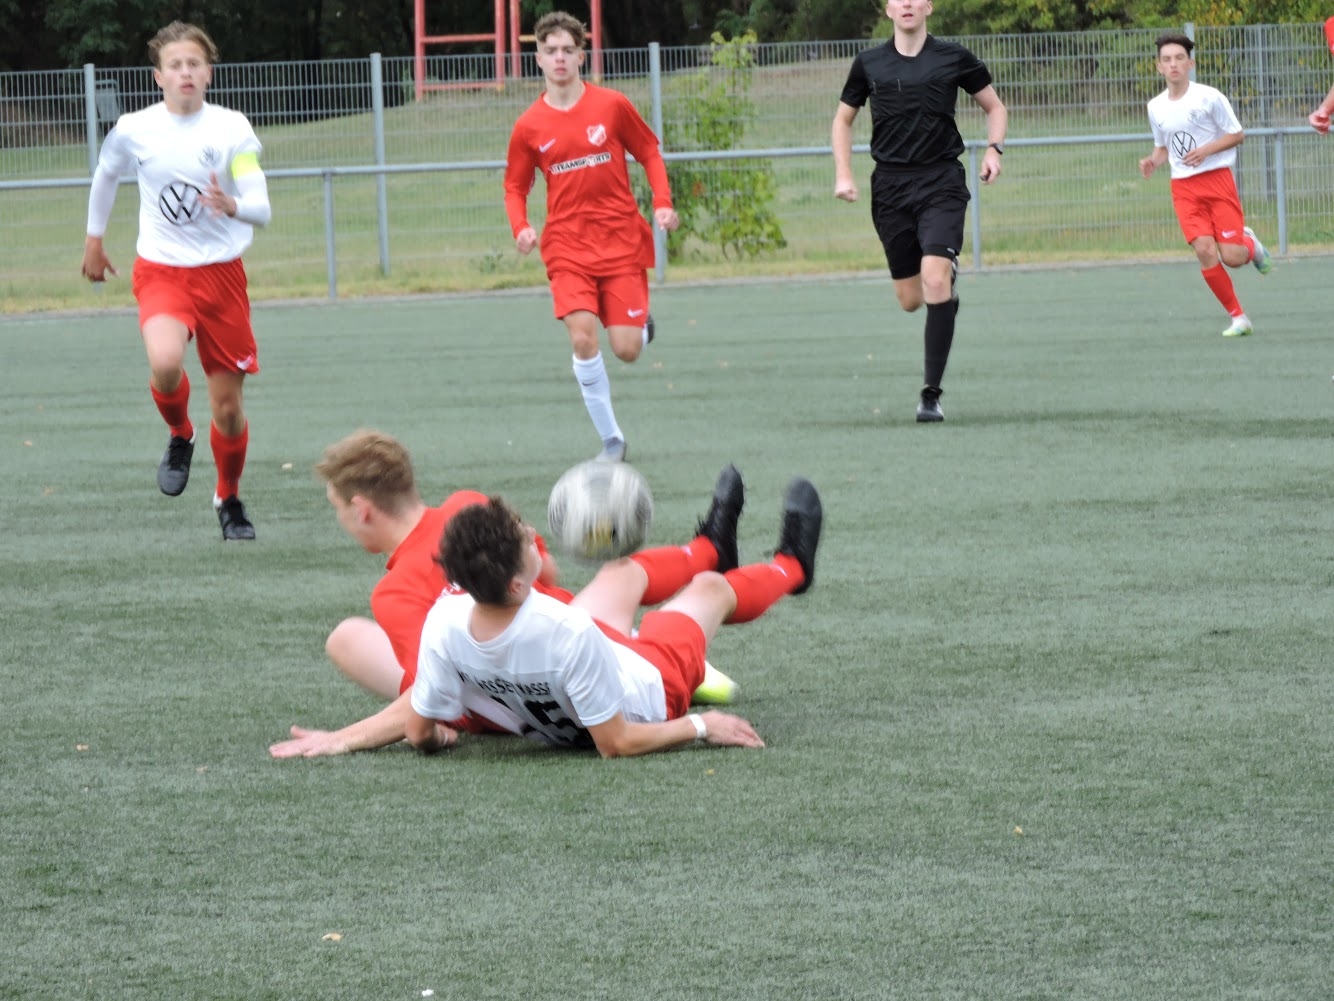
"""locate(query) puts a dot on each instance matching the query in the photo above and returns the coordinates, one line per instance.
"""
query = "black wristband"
(1000, 150)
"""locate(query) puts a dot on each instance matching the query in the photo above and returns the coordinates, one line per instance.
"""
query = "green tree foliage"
(725, 203)
(50, 34)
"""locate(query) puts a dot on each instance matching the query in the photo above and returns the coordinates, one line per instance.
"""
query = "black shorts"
(919, 212)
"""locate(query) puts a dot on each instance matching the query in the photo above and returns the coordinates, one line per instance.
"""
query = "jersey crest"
(597, 135)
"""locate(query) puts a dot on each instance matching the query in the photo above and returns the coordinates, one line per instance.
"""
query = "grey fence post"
(381, 182)
(975, 182)
(1281, 193)
(655, 92)
(1188, 29)
(330, 250)
(90, 114)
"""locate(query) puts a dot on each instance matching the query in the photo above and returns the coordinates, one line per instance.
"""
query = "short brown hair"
(482, 550)
(1175, 38)
(556, 21)
(180, 31)
(372, 465)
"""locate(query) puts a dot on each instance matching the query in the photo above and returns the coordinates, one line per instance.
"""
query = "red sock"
(671, 568)
(759, 586)
(1248, 242)
(229, 457)
(174, 408)
(1221, 286)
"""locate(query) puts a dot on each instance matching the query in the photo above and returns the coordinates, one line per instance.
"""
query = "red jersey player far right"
(1196, 130)
(596, 245)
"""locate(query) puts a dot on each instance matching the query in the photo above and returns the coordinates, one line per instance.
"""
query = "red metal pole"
(419, 47)
(595, 15)
(516, 47)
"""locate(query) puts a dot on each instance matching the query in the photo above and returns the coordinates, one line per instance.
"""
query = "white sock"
(596, 387)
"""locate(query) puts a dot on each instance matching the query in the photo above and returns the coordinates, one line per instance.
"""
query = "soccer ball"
(600, 510)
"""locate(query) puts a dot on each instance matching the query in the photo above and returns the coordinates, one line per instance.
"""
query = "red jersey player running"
(1196, 130)
(201, 192)
(596, 245)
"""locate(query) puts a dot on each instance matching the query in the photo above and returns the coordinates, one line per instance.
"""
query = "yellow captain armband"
(245, 163)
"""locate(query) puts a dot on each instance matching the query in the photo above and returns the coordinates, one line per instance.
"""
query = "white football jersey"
(552, 667)
(1200, 115)
(173, 156)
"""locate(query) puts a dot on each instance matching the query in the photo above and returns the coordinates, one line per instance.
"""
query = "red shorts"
(211, 300)
(674, 643)
(1208, 205)
(617, 300)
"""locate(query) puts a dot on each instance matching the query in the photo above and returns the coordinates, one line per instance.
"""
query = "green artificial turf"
(1053, 723)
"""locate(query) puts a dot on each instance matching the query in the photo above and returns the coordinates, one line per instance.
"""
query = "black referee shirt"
(912, 100)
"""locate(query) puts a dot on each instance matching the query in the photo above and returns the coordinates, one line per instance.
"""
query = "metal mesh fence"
(447, 228)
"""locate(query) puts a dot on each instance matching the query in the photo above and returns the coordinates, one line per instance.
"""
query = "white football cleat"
(1240, 327)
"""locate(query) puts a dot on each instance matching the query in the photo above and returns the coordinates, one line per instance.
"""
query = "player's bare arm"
(1153, 161)
(998, 122)
(388, 726)
(620, 738)
(1200, 153)
(841, 140)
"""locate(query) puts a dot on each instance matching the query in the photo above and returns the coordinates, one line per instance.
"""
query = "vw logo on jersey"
(180, 204)
(210, 156)
(597, 134)
(1182, 143)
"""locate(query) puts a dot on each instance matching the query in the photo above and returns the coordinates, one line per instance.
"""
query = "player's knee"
(339, 640)
(909, 301)
(626, 351)
(585, 345)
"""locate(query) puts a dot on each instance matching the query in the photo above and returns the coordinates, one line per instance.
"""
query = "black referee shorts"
(919, 212)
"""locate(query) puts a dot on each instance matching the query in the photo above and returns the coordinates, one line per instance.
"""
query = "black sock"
(939, 337)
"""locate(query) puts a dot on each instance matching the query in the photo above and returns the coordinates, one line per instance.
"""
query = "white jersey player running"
(201, 192)
(1197, 132)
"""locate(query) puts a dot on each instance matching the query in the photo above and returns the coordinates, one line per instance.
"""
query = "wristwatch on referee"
(1000, 150)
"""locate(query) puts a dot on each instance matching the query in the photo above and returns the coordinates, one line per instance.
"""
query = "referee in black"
(919, 190)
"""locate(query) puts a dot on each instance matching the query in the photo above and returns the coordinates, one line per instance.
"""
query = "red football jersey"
(594, 225)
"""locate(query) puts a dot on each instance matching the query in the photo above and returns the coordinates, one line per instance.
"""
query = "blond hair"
(180, 31)
(556, 21)
(372, 465)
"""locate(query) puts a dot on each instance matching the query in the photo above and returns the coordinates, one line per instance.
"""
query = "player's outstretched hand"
(845, 188)
(1146, 167)
(526, 240)
(309, 744)
(727, 730)
(95, 263)
(666, 218)
(1319, 121)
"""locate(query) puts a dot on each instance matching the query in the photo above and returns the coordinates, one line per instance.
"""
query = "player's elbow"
(613, 749)
(421, 733)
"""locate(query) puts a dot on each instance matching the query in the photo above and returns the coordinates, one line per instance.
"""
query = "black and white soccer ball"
(600, 510)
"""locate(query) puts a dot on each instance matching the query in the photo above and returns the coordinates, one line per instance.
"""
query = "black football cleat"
(236, 527)
(719, 525)
(173, 472)
(928, 407)
(800, 536)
